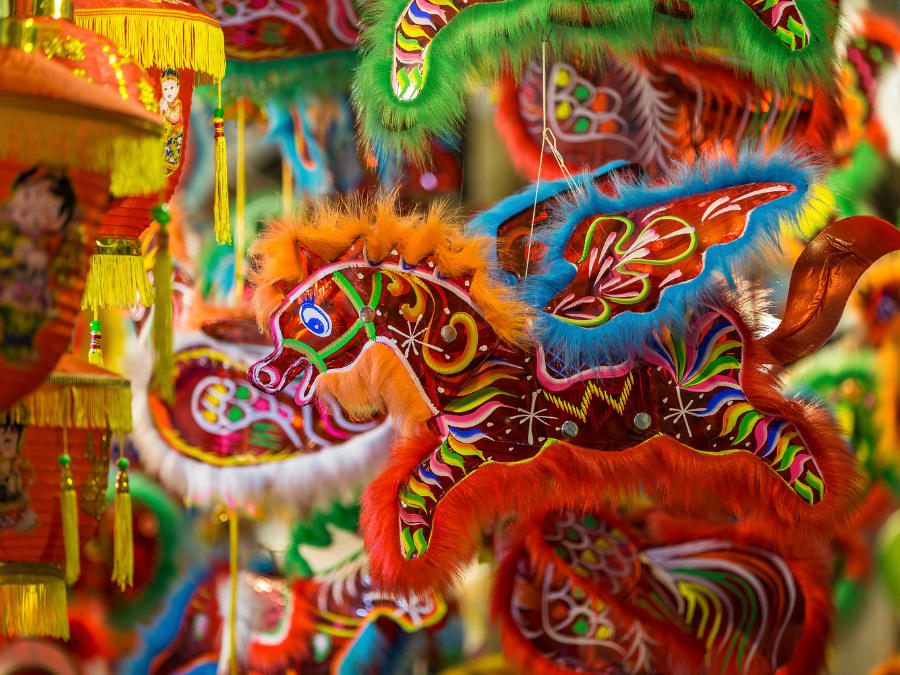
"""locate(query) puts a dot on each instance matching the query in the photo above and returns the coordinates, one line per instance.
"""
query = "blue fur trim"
(485, 224)
(624, 335)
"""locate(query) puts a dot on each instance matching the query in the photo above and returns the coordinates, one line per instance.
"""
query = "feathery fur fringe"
(487, 38)
(161, 37)
(329, 228)
(769, 227)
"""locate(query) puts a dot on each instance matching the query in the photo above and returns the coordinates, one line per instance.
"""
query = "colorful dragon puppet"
(418, 55)
(623, 353)
(593, 592)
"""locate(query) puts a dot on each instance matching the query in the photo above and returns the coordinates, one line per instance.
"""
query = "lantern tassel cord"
(123, 542)
(95, 354)
(221, 207)
(69, 507)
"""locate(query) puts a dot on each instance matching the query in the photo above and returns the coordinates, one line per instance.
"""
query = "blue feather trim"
(624, 335)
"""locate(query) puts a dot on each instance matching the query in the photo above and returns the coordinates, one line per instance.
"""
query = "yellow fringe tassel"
(95, 353)
(101, 404)
(162, 318)
(118, 281)
(221, 206)
(33, 600)
(162, 38)
(123, 544)
(75, 137)
(68, 504)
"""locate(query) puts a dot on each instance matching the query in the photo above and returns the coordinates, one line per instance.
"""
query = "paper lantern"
(65, 144)
(180, 47)
(68, 420)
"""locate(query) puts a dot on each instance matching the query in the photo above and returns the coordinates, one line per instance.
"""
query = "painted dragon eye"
(316, 320)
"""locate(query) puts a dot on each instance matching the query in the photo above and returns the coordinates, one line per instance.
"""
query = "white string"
(548, 138)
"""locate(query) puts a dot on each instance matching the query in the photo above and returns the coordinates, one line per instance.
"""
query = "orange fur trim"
(362, 390)
(329, 228)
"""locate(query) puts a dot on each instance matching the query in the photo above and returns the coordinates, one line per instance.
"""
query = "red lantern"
(44, 518)
(180, 47)
(65, 143)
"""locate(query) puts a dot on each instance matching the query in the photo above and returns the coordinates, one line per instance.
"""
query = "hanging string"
(241, 200)
(233, 563)
(287, 187)
(548, 139)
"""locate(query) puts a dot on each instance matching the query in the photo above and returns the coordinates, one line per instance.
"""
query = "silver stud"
(642, 421)
(366, 314)
(569, 429)
(448, 333)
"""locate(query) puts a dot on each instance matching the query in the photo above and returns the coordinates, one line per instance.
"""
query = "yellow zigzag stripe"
(590, 392)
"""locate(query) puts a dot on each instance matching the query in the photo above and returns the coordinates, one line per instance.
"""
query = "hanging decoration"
(180, 47)
(56, 443)
(410, 84)
(591, 592)
(584, 373)
(159, 537)
(72, 130)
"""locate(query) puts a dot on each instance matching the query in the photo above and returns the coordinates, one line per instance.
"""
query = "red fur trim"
(278, 658)
(563, 476)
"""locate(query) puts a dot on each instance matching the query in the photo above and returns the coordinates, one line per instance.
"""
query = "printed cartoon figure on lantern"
(16, 475)
(33, 228)
(170, 112)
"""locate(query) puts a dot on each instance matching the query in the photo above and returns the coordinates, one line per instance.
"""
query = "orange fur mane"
(329, 228)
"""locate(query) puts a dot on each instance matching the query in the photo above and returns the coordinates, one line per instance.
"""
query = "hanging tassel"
(162, 317)
(123, 544)
(221, 205)
(69, 507)
(95, 355)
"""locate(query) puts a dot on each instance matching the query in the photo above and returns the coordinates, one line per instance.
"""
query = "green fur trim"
(483, 39)
(284, 79)
(312, 532)
(126, 612)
